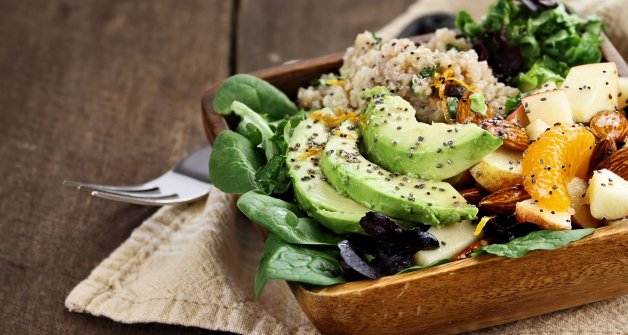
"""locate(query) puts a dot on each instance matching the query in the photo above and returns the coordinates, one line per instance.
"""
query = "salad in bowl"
(504, 138)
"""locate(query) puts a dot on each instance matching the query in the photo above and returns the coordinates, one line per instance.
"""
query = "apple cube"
(536, 128)
(577, 189)
(453, 238)
(499, 169)
(552, 107)
(590, 89)
(530, 211)
(607, 195)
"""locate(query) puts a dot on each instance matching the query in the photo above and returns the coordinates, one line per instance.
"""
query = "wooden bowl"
(463, 295)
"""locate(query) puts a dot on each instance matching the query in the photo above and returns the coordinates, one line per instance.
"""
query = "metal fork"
(187, 181)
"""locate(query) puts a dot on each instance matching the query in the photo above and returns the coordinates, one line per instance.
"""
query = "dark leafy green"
(537, 240)
(281, 260)
(285, 220)
(233, 163)
(531, 42)
(257, 94)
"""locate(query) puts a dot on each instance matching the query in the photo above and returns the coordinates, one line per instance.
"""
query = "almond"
(473, 195)
(611, 124)
(515, 137)
(464, 114)
(604, 148)
(617, 162)
(471, 248)
(504, 200)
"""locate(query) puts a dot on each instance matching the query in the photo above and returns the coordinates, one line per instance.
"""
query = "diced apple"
(552, 107)
(453, 239)
(530, 211)
(499, 169)
(607, 195)
(590, 89)
(536, 128)
(622, 96)
(577, 189)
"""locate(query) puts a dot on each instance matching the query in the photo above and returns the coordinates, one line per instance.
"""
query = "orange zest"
(312, 151)
(440, 82)
(334, 121)
(561, 153)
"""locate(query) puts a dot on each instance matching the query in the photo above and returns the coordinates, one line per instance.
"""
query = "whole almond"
(473, 195)
(515, 137)
(504, 200)
(611, 124)
(464, 114)
(471, 248)
(617, 162)
(604, 148)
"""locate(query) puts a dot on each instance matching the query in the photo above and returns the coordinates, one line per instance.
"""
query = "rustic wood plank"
(95, 91)
(305, 29)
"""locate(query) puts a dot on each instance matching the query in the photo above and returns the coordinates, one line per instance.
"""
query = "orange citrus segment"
(549, 163)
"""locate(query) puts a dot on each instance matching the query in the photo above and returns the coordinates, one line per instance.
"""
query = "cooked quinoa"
(407, 70)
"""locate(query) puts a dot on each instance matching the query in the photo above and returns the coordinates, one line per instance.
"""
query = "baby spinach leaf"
(285, 220)
(257, 94)
(233, 163)
(250, 119)
(537, 240)
(418, 267)
(273, 177)
(298, 263)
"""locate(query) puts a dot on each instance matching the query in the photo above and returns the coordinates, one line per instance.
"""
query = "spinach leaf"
(285, 220)
(537, 240)
(281, 260)
(250, 131)
(250, 119)
(233, 163)
(273, 177)
(257, 94)
(418, 267)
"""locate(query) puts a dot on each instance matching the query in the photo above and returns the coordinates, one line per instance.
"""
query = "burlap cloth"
(194, 265)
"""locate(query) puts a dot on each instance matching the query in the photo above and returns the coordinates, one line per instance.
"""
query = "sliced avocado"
(313, 193)
(396, 141)
(418, 200)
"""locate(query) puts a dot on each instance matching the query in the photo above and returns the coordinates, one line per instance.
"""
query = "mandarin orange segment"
(549, 163)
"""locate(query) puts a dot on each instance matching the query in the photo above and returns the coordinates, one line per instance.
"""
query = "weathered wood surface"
(108, 91)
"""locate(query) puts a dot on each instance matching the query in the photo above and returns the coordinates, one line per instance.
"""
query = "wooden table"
(109, 91)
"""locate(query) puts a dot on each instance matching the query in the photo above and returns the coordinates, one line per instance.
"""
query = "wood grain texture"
(305, 29)
(103, 91)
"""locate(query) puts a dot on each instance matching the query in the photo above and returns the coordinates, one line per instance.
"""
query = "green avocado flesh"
(313, 193)
(395, 140)
(418, 200)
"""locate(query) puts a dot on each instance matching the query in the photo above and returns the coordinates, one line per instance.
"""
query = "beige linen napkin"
(194, 265)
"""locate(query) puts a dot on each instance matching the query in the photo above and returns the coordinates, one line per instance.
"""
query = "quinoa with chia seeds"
(406, 70)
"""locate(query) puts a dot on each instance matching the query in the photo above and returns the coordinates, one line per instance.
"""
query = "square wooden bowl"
(464, 295)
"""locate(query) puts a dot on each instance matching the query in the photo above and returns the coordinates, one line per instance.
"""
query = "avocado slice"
(418, 200)
(313, 193)
(396, 141)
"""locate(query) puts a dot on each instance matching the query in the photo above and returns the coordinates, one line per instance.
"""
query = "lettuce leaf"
(537, 240)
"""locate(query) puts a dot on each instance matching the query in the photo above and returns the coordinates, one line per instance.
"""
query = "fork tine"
(144, 195)
(135, 199)
(109, 188)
